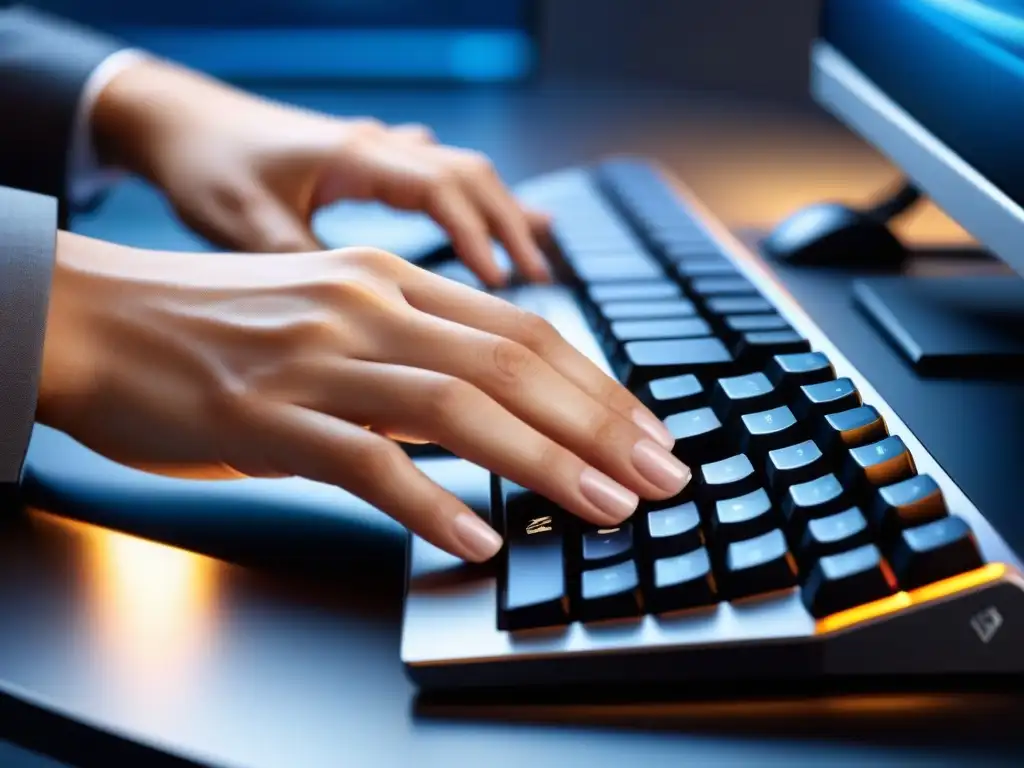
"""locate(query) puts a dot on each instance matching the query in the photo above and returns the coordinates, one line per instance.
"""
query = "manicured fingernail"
(660, 467)
(653, 427)
(616, 501)
(479, 541)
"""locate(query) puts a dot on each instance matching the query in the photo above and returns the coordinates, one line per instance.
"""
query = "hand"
(248, 174)
(313, 364)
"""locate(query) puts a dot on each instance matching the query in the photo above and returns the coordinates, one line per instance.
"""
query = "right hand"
(313, 364)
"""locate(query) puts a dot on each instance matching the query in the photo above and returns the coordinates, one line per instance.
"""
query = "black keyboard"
(810, 520)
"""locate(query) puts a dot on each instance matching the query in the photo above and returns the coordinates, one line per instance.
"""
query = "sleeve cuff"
(87, 179)
(28, 229)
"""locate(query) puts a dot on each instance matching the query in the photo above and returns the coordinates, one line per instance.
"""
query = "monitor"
(465, 41)
(936, 85)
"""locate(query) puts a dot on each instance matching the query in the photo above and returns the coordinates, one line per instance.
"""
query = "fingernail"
(615, 501)
(479, 541)
(660, 467)
(654, 427)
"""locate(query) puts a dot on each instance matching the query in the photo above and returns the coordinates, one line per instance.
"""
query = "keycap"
(533, 590)
(907, 504)
(597, 269)
(738, 305)
(741, 323)
(834, 534)
(680, 328)
(789, 372)
(674, 530)
(934, 551)
(851, 578)
(646, 310)
(756, 348)
(743, 517)
(683, 581)
(766, 430)
(879, 464)
(610, 592)
(606, 546)
(794, 464)
(646, 360)
(733, 476)
(699, 435)
(816, 400)
(816, 498)
(672, 395)
(677, 247)
(851, 429)
(690, 267)
(736, 395)
(600, 293)
(722, 286)
(761, 564)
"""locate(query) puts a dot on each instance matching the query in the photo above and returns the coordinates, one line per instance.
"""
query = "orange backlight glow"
(901, 600)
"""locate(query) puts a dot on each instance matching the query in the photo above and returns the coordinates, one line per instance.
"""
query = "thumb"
(272, 227)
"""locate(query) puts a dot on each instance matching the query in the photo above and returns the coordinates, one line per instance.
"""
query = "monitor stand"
(956, 327)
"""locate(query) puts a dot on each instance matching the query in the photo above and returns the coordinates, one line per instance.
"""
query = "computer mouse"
(835, 235)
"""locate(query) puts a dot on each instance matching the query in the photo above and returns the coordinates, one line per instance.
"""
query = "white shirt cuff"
(87, 179)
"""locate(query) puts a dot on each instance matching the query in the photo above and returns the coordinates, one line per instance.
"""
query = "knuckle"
(476, 162)
(313, 331)
(380, 461)
(607, 429)
(512, 362)
(536, 333)
(367, 127)
(447, 398)
(234, 198)
(373, 259)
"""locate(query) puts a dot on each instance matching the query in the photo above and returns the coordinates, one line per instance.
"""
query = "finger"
(526, 385)
(321, 448)
(539, 221)
(461, 304)
(450, 208)
(273, 228)
(405, 401)
(506, 220)
(415, 133)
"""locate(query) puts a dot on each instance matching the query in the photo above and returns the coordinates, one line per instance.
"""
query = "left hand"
(248, 174)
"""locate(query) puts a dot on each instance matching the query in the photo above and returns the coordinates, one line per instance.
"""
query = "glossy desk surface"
(290, 658)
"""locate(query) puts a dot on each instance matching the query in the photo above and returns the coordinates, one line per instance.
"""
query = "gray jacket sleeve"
(45, 63)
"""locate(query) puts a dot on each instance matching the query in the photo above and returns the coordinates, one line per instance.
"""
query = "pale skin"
(308, 362)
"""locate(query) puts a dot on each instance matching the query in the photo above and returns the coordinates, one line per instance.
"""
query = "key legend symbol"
(538, 525)
(986, 623)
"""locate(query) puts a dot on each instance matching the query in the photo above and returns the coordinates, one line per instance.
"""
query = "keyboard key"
(606, 546)
(816, 400)
(699, 435)
(851, 429)
(610, 592)
(789, 372)
(675, 530)
(722, 286)
(598, 269)
(766, 430)
(691, 267)
(794, 464)
(842, 581)
(933, 552)
(683, 581)
(677, 247)
(743, 323)
(646, 310)
(834, 534)
(761, 564)
(600, 293)
(739, 305)
(533, 590)
(646, 360)
(672, 395)
(681, 328)
(756, 348)
(907, 504)
(742, 518)
(737, 395)
(727, 478)
(879, 464)
(816, 498)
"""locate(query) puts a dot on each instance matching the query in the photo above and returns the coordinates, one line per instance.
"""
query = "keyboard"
(817, 538)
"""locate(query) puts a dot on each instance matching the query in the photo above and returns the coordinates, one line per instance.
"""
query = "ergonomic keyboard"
(817, 536)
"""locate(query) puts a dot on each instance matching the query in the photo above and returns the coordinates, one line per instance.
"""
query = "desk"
(291, 658)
